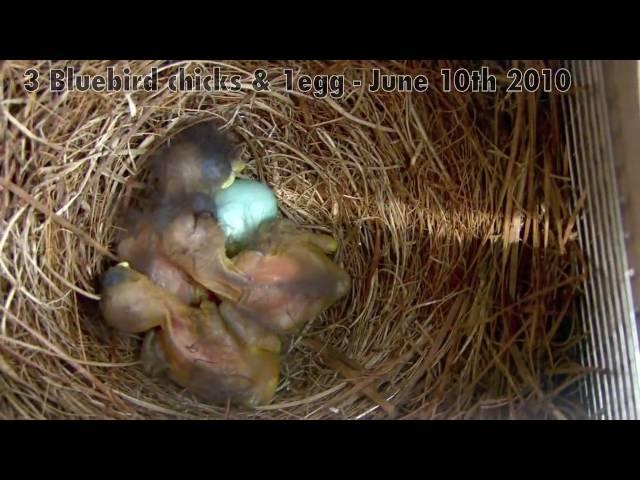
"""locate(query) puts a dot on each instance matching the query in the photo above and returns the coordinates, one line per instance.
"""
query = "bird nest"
(454, 213)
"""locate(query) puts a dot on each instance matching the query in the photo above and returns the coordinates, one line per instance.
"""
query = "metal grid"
(606, 309)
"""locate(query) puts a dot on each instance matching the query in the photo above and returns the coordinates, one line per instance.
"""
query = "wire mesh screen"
(606, 308)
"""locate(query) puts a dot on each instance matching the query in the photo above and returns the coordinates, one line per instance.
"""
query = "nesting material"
(454, 214)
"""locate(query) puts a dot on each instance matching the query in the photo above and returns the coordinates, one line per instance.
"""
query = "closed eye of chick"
(195, 242)
(131, 302)
(199, 159)
(142, 249)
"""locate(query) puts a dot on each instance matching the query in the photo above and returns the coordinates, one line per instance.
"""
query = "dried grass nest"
(454, 213)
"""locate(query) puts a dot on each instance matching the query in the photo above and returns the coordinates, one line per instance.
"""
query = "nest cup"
(454, 216)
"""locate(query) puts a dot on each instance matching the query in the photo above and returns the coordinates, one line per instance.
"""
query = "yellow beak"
(229, 181)
(236, 167)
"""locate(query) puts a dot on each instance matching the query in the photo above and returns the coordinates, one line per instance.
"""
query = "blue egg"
(241, 209)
